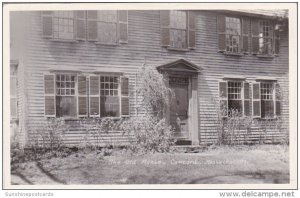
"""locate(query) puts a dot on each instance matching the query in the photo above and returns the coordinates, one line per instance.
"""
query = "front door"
(179, 106)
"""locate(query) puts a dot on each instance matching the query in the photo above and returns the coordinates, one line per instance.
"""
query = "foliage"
(153, 89)
(95, 129)
(49, 135)
(151, 134)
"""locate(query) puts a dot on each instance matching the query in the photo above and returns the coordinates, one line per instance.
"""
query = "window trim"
(240, 38)
(274, 82)
(60, 39)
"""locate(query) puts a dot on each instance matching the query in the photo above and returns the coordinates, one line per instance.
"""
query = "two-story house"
(83, 63)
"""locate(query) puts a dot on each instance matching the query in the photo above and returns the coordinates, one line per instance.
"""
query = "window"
(74, 95)
(266, 102)
(234, 98)
(233, 33)
(105, 26)
(109, 96)
(66, 103)
(265, 37)
(63, 25)
(177, 29)
(13, 91)
(235, 104)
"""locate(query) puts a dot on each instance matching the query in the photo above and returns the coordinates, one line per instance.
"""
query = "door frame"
(193, 113)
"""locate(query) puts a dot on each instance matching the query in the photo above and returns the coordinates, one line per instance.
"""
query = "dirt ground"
(218, 165)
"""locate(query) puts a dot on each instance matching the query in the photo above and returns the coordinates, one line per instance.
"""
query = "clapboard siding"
(144, 47)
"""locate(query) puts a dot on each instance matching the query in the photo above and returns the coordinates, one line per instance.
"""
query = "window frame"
(15, 95)
(273, 99)
(117, 29)
(239, 49)
(74, 29)
(174, 28)
(75, 95)
(272, 37)
(242, 80)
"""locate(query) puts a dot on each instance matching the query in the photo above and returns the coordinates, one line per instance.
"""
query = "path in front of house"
(227, 165)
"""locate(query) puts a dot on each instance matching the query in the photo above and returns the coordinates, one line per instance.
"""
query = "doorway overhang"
(180, 66)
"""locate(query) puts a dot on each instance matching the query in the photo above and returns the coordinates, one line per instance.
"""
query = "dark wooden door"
(179, 106)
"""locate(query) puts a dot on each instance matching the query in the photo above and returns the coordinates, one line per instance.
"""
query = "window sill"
(233, 54)
(107, 44)
(265, 56)
(64, 40)
(177, 49)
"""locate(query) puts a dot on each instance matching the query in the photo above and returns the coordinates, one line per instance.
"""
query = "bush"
(151, 134)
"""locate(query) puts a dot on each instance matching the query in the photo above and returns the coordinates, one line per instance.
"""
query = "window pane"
(63, 25)
(66, 106)
(109, 106)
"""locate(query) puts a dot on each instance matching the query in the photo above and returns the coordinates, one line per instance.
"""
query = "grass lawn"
(228, 165)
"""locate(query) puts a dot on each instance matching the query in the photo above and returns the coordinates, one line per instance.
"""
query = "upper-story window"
(234, 36)
(101, 26)
(265, 38)
(233, 33)
(107, 26)
(63, 25)
(177, 29)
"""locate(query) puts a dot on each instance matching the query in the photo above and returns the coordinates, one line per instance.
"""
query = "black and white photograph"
(184, 95)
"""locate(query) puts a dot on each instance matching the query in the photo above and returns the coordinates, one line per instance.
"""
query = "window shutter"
(223, 96)
(47, 24)
(278, 98)
(123, 26)
(246, 99)
(80, 21)
(221, 27)
(276, 42)
(191, 29)
(82, 96)
(124, 96)
(92, 27)
(245, 35)
(165, 27)
(49, 90)
(94, 96)
(255, 36)
(256, 100)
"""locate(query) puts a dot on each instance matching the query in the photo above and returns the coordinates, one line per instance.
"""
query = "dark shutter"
(124, 96)
(92, 28)
(47, 24)
(278, 99)
(94, 96)
(123, 26)
(223, 96)
(245, 34)
(221, 27)
(256, 100)
(246, 99)
(82, 96)
(276, 41)
(165, 27)
(49, 90)
(80, 20)
(191, 29)
(255, 36)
